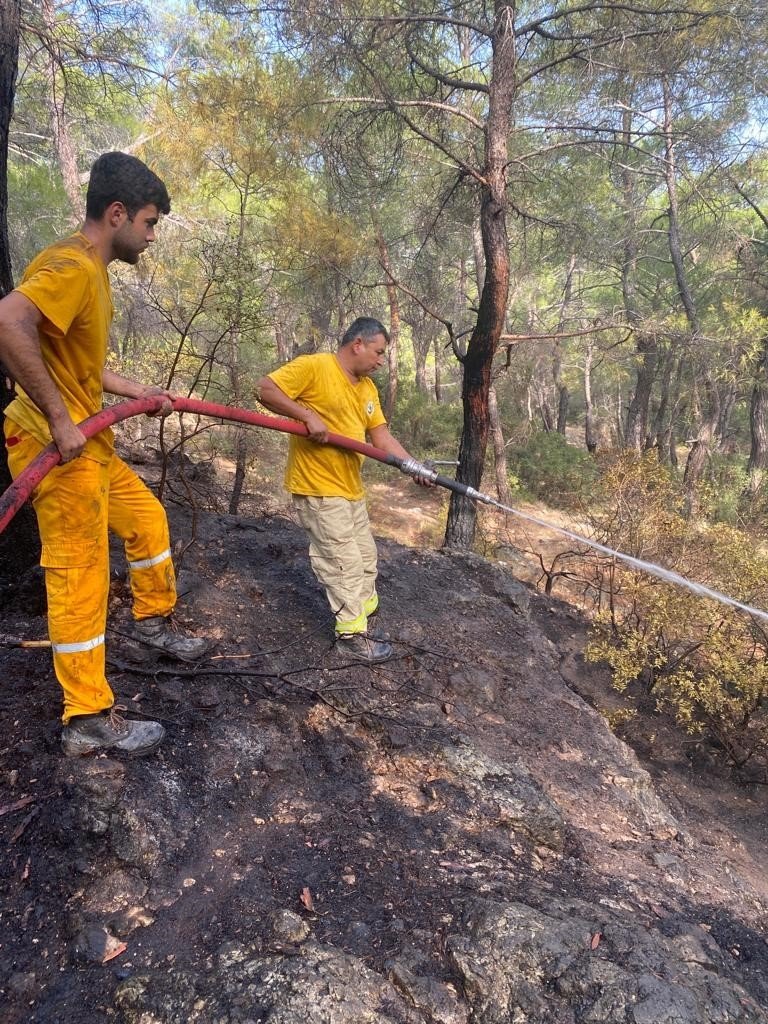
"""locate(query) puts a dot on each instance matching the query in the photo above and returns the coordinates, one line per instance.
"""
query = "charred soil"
(306, 812)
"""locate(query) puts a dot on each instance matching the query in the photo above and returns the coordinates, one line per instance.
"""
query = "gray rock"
(436, 1001)
(321, 985)
(529, 966)
(507, 795)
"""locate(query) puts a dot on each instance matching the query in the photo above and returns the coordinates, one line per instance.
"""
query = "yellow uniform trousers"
(76, 504)
(342, 553)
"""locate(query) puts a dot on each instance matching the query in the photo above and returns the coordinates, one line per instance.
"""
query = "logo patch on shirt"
(369, 409)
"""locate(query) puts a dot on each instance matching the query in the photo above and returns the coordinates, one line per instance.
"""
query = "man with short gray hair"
(331, 392)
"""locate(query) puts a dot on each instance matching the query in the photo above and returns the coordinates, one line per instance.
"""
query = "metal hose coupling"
(419, 470)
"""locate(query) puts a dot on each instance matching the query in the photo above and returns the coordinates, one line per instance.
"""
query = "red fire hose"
(12, 500)
(26, 481)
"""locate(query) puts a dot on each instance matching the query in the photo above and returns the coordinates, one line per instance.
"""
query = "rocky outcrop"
(455, 837)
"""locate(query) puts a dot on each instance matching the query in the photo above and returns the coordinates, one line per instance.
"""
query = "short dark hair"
(120, 178)
(364, 327)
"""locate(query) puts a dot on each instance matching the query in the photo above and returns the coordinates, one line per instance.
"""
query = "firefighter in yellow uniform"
(332, 392)
(54, 331)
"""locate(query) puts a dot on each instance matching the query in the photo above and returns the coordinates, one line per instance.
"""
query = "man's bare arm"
(115, 384)
(21, 355)
(277, 401)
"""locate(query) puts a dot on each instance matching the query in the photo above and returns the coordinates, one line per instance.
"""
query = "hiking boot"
(108, 730)
(155, 632)
(363, 647)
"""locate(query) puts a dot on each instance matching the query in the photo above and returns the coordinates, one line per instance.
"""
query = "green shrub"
(424, 428)
(554, 471)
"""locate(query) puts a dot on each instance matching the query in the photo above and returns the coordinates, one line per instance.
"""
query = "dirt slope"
(313, 826)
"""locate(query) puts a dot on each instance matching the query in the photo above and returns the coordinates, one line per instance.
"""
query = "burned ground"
(454, 835)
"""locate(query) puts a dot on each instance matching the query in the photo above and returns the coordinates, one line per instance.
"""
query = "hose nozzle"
(424, 472)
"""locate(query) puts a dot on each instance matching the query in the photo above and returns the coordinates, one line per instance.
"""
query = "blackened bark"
(462, 513)
(497, 430)
(9, 57)
(19, 543)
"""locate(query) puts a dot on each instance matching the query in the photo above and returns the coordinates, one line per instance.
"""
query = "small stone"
(288, 927)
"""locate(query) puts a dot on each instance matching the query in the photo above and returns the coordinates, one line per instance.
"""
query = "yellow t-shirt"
(319, 383)
(68, 283)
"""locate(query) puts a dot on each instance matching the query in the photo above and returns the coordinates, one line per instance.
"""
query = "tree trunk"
(63, 144)
(758, 425)
(561, 389)
(19, 543)
(636, 426)
(727, 405)
(636, 429)
(462, 512)
(699, 453)
(497, 431)
(590, 432)
(235, 341)
(390, 396)
(662, 422)
(438, 372)
(499, 451)
(10, 11)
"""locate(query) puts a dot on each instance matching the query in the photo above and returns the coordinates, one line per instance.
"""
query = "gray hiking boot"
(156, 632)
(363, 647)
(108, 730)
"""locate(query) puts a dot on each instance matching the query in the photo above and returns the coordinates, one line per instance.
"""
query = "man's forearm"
(115, 384)
(272, 398)
(276, 400)
(382, 438)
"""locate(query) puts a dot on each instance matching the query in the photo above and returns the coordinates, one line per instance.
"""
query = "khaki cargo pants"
(342, 553)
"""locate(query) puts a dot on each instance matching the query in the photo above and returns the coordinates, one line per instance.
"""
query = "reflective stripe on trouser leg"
(71, 508)
(77, 605)
(342, 554)
(139, 519)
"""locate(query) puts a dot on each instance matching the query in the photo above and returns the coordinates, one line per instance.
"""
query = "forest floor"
(291, 780)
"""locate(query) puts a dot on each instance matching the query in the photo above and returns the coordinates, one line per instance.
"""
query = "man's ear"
(115, 214)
